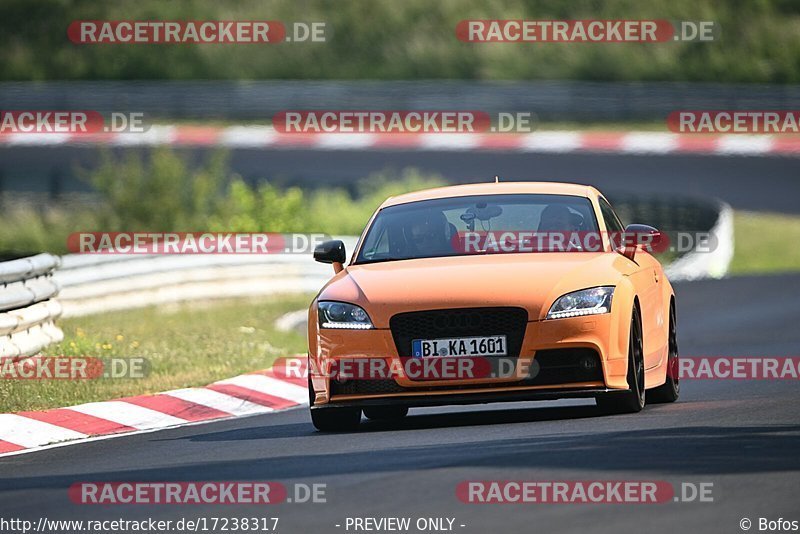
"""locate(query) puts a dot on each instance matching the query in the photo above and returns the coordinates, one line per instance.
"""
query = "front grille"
(459, 322)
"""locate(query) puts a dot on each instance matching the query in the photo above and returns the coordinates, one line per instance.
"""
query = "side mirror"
(638, 235)
(331, 252)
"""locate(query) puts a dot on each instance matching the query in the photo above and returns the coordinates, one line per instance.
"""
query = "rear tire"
(332, 419)
(385, 413)
(671, 389)
(632, 400)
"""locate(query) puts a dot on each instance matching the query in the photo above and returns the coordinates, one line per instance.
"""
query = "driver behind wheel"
(558, 218)
(430, 234)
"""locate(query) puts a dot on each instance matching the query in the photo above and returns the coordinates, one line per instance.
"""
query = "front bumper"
(601, 334)
(474, 397)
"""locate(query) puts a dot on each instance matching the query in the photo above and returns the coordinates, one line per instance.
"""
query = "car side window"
(613, 223)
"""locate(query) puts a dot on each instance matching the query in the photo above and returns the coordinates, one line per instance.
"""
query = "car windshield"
(458, 226)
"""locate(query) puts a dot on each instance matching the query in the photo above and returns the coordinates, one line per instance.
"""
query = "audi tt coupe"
(489, 293)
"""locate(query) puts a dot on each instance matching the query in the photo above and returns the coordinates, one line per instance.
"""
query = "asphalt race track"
(766, 183)
(743, 436)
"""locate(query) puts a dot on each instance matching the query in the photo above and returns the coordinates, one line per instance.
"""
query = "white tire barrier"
(100, 283)
(27, 307)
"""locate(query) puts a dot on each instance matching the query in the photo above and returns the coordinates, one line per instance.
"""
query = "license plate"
(459, 346)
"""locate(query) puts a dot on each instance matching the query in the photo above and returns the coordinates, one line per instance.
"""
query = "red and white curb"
(244, 395)
(536, 142)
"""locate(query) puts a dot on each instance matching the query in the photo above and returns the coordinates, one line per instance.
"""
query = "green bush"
(156, 191)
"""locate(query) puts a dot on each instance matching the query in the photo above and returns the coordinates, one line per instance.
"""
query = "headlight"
(342, 315)
(584, 302)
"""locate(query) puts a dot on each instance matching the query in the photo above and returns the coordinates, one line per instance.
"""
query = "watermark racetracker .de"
(181, 32)
(734, 121)
(74, 122)
(193, 243)
(73, 368)
(585, 31)
(408, 121)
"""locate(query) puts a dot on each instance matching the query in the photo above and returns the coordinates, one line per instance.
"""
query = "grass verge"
(765, 243)
(184, 345)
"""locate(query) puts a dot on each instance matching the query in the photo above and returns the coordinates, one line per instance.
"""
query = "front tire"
(336, 419)
(632, 400)
(671, 389)
(333, 418)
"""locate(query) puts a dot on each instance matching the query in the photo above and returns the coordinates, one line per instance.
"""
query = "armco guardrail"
(28, 309)
(260, 100)
(100, 283)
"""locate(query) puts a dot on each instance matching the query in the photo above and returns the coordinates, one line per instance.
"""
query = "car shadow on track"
(426, 420)
(417, 421)
(414, 421)
(688, 450)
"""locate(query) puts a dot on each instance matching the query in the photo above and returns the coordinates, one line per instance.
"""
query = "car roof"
(495, 188)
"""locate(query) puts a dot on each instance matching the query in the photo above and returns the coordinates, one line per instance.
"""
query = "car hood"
(531, 281)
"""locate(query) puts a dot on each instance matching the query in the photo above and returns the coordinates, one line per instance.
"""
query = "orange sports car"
(488, 293)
